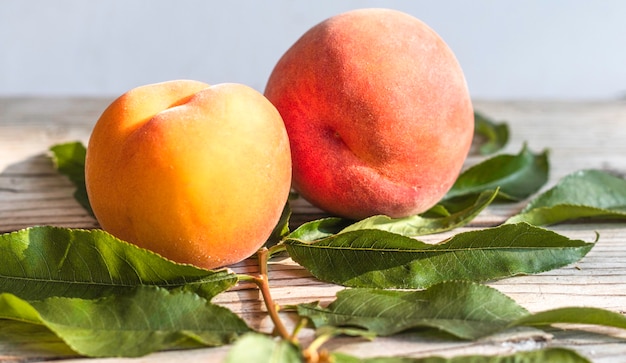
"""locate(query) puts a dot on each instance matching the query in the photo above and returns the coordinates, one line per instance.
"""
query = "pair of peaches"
(367, 113)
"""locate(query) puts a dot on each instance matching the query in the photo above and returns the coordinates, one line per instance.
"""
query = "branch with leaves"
(105, 297)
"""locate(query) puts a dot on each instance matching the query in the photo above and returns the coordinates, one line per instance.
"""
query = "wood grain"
(579, 135)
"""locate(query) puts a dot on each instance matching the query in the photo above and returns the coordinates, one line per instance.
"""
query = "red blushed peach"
(378, 114)
(197, 173)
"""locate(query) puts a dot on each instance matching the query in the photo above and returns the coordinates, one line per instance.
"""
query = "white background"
(558, 49)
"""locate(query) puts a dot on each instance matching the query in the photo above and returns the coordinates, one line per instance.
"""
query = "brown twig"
(262, 281)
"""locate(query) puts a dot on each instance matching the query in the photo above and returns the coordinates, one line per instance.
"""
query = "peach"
(197, 173)
(378, 114)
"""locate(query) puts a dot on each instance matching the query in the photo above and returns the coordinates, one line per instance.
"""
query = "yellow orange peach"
(197, 173)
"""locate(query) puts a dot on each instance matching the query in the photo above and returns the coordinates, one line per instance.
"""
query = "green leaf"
(41, 262)
(282, 227)
(517, 176)
(12, 307)
(374, 258)
(259, 348)
(136, 323)
(334, 331)
(463, 309)
(583, 194)
(69, 160)
(319, 228)
(491, 136)
(560, 355)
(30, 341)
(418, 225)
(574, 315)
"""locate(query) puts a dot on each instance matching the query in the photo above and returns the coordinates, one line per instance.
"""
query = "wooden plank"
(579, 135)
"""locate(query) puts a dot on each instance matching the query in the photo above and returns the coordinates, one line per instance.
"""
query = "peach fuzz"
(378, 114)
(197, 173)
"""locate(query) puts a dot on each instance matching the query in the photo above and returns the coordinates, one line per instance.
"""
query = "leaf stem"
(302, 322)
(262, 281)
(246, 277)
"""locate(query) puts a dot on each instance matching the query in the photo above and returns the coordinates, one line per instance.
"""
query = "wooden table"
(579, 135)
